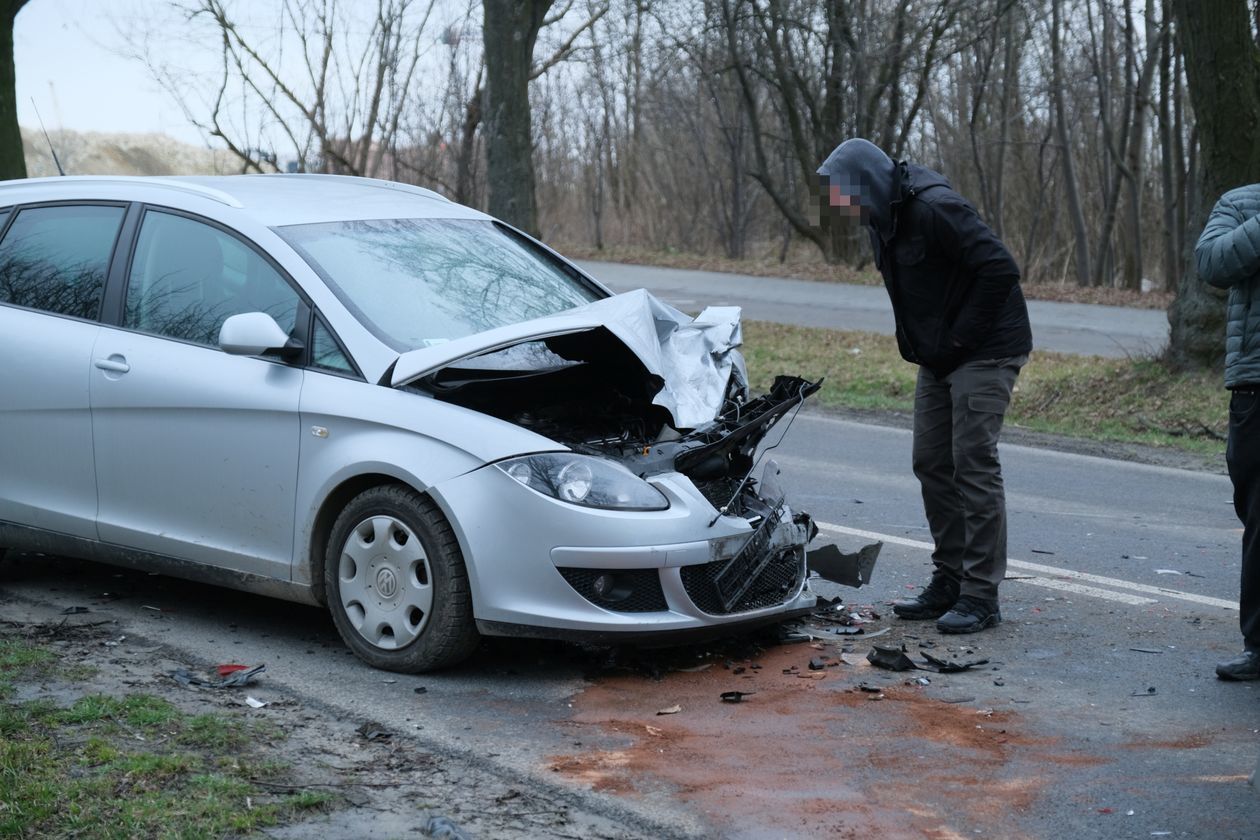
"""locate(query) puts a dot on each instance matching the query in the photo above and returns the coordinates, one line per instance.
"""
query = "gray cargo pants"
(957, 420)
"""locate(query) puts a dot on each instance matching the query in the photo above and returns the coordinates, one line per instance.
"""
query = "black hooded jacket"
(954, 287)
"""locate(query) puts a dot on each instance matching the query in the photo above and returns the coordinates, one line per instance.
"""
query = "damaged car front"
(652, 513)
(634, 505)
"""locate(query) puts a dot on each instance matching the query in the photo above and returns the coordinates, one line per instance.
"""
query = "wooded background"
(1092, 135)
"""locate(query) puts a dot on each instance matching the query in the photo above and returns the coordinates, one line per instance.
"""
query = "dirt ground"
(385, 784)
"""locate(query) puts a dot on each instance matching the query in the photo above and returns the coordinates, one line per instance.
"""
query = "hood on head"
(860, 168)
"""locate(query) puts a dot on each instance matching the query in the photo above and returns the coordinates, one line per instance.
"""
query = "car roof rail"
(379, 183)
(190, 187)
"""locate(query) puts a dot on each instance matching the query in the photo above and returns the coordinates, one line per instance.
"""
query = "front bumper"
(521, 550)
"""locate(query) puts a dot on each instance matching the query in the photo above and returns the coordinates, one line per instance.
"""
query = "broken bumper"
(542, 567)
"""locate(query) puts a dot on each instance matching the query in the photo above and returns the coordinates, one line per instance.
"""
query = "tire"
(396, 583)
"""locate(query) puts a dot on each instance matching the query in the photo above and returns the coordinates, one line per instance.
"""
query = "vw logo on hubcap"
(386, 583)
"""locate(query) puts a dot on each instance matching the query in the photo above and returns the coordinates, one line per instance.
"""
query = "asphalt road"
(1121, 596)
(1110, 331)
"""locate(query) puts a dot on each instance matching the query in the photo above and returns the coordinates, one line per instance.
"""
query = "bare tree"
(337, 108)
(1066, 153)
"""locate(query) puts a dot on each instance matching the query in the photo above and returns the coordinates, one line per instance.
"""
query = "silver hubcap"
(385, 582)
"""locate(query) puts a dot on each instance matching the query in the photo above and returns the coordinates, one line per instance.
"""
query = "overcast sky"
(68, 61)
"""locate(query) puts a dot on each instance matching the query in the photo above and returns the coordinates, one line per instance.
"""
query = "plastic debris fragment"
(734, 696)
(890, 658)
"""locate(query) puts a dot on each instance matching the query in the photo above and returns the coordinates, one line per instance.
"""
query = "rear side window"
(56, 258)
(187, 278)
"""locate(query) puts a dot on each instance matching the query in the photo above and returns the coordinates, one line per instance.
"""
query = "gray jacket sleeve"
(1229, 247)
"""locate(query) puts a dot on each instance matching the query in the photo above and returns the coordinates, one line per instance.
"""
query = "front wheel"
(397, 587)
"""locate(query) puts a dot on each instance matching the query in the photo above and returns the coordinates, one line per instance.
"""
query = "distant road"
(1081, 328)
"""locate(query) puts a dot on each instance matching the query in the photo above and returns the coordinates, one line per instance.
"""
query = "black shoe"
(933, 602)
(1246, 666)
(970, 615)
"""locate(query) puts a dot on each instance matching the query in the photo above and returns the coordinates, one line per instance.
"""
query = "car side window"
(326, 353)
(56, 258)
(188, 277)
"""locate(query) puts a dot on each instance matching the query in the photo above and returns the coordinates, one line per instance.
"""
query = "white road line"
(1055, 574)
(1091, 591)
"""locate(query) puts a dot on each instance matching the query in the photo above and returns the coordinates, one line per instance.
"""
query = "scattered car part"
(945, 666)
(891, 658)
(238, 676)
(734, 696)
(853, 569)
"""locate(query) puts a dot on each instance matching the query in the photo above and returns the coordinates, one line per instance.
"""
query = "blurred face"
(844, 203)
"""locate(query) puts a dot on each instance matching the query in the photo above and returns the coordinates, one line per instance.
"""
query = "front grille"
(776, 583)
(721, 491)
(642, 588)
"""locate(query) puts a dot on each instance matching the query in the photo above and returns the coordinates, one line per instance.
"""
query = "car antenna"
(57, 161)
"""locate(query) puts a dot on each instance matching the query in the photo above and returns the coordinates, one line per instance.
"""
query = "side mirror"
(256, 334)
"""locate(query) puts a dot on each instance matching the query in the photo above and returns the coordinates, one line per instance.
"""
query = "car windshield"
(420, 282)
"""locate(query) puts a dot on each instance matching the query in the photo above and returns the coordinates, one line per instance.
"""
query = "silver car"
(356, 393)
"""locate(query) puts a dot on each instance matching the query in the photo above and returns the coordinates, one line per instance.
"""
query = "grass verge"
(129, 766)
(1122, 400)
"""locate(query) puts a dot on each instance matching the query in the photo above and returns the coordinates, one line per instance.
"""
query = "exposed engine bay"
(589, 392)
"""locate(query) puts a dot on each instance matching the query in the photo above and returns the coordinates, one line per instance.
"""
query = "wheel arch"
(330, 509)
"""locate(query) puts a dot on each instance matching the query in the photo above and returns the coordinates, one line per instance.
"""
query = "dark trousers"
(1242, 454)
(957, 421)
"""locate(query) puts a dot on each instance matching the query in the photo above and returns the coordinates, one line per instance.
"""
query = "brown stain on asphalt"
(1194, 741)
(808, 757)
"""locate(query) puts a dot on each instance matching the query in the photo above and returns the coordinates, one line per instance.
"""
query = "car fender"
(355, 434)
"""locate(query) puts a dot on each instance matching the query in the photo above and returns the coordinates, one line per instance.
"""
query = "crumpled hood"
(694, 357)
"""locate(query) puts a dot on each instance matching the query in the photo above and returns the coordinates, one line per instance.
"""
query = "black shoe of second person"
(970, 615)
(933, 602)
(1243, 667)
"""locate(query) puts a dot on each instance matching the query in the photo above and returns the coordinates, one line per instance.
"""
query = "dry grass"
(1123, 400)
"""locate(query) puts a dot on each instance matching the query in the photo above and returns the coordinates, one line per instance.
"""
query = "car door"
(196, 449)
(53, 265)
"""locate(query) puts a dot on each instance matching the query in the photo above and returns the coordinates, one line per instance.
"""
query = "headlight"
(585, 480)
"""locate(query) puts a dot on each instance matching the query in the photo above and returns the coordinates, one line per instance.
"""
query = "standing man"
(961, 318)
(1228, 256)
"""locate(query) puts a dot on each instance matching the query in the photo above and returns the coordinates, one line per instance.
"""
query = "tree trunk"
(1168, 190)
(1010, 82)
(466, 157)
(1065, 144)
(12, 160)
(511, 28)
(1135, 155)
(1223, 69)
